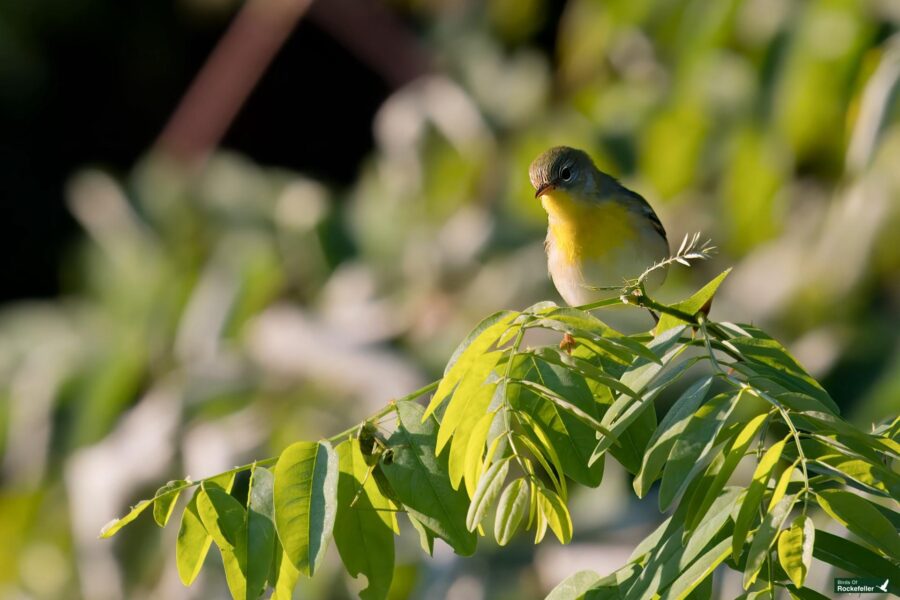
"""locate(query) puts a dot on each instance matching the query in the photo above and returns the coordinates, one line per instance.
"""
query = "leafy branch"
(510, 428)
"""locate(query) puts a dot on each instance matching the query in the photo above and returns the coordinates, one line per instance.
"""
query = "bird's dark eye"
(565, 174)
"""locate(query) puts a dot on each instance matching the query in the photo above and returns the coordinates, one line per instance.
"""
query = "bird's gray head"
(565, 168)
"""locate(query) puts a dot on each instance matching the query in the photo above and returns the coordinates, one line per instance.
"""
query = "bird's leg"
(568, 343)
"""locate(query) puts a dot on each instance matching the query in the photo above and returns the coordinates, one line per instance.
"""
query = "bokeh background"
(228, 226)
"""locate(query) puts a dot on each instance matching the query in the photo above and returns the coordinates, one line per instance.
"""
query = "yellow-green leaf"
(193, 541)
(693, 304)
(755, 491)
(556, 513)
(164, 500)
(739, 447)
(306, 477)
(859, 516)
(363, 532)
(795, 549)
(511, 510)
(475, 451)
(478, 342)
(765, 537)
(487, 491)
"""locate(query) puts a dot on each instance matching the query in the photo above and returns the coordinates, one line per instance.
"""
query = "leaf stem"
(387, 409)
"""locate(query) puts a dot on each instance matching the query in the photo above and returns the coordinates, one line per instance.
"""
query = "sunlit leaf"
(859, 516)
(693, 304)
(511, 510)
(795, 549)
(426, 536)
(475, 451)
(765, 537)
(733, 456)
(487, 492)
(306, 476)
(421, 480)
(692, 446)
(225, 521)
(165, 499)
(556, 513)
(193, 541)
(574, 586)
(547, 449)
(699, 571)
(755, 491)
(287, 578)
(467, 406)
(478, 342)
(261, 537)
(111, 528)
(363, 528)
(668, 431)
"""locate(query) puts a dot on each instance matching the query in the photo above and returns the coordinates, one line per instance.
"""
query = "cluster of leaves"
(509, 425)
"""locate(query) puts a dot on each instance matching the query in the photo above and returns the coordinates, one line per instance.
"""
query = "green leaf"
(549, 450)
(765, 537)
(475, 449)
(804, 593)
(511, 510)
(421, 480)
(847, 434)
(306, 477)
(693, 304)
(859, 516)
(164, 500)
(261, 537)
(574, 586)
(363, 532)
(693, 445)
(426, 536)
(795, 549)
(699, 571)
(487, 492)
(719, 514)
(781, 485)
(753, 498)
(667, 557)
(193, 540)
(466, 407)
(225, 521)
(288, 575)
(556, 513)
(563, 403)
(555, 476)
(669, 429)
(111, 528)
(698, 509)
(163, 504)
(855, 559)
(583, 367)
(478, 342)
(632, 422)
(585, 326)
(770, 359)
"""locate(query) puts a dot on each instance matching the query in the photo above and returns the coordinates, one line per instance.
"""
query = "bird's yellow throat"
(585, 230)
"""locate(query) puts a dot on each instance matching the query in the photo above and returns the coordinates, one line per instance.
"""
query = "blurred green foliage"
(218, 315)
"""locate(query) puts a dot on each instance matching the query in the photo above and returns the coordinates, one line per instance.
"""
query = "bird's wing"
(636, 203)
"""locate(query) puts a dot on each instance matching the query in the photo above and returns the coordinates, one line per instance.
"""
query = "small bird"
(599, 233)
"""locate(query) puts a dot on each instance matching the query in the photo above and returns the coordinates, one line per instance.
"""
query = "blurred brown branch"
(232, 71)
(365, 27)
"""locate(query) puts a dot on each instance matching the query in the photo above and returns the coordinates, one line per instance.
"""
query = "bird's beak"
(543, 189)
